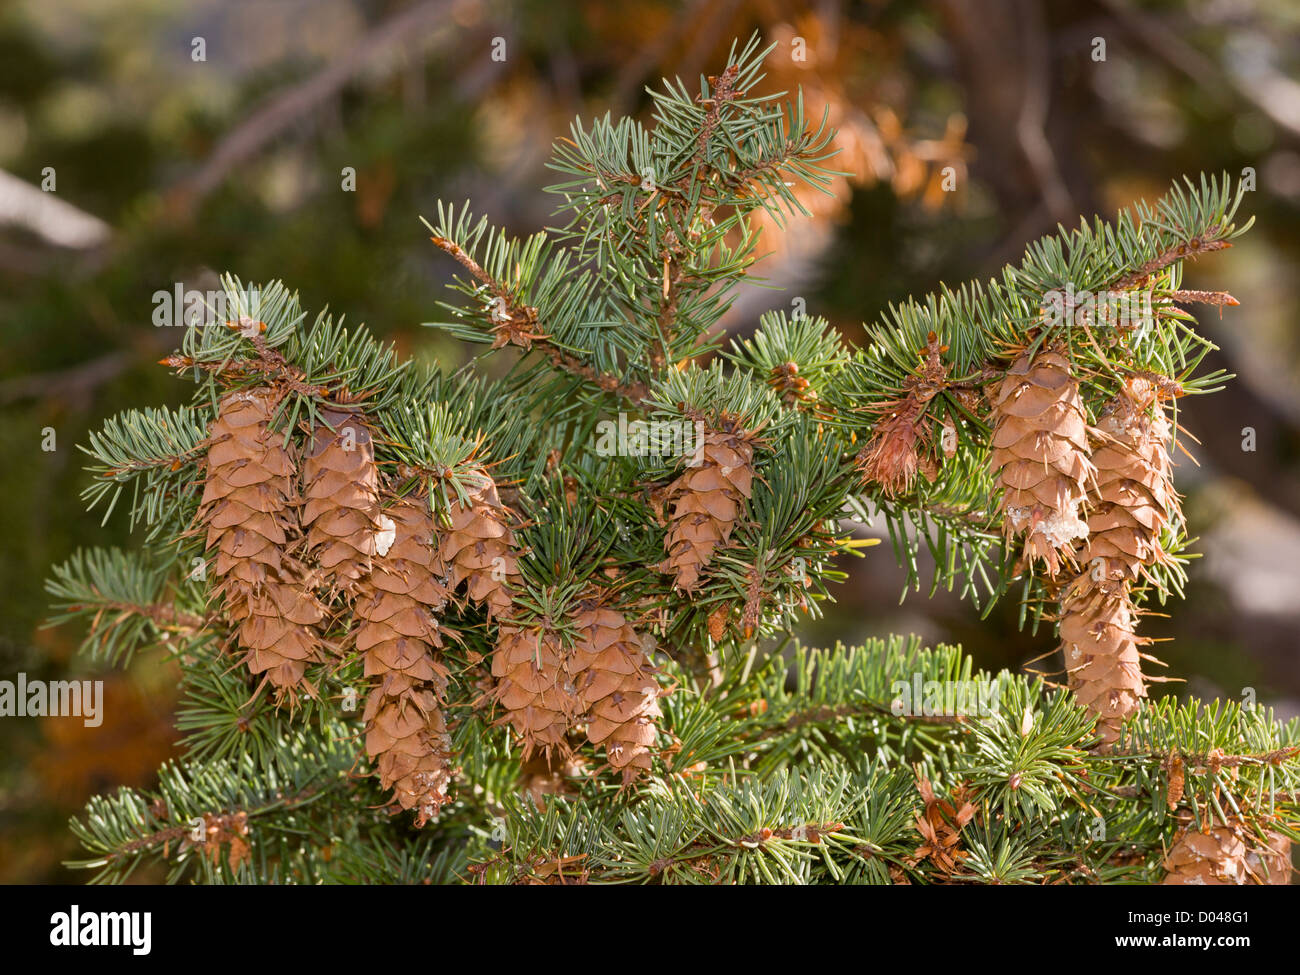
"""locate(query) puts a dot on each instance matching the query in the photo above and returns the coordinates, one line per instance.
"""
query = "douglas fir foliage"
(435, 628)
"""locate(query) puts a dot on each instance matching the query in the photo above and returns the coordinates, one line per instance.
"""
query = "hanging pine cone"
(1133, 501)
(1040, 456)
(247, 506)
(479, 547)
(1101, 647)
(618, 694)
(1230, 853)
(706, 500)
(341, 488)
(535, 689)
(399, 635)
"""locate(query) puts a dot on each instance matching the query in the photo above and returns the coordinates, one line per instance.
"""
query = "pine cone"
(1100, 643)
(1134, 500)
(398, 635)
(1040, 456)
(706, 501)
(535, 689)
(618, 694)
(247, 506)
(478, 548)
(409, 735)
(342, 494)
(1229, 853)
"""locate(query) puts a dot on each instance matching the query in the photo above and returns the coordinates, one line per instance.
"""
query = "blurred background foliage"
(170, 169)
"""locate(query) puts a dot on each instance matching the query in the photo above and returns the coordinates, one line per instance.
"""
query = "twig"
(1030, 124)
(66, 384)
(520, 330)
(1193, 248)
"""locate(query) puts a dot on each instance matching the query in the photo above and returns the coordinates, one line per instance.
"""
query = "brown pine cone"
(248, 507)
(1133, 500)
(706, 501)
(1040, 456)
(617, 691)
(535, 689)
(1102, 657)
(408, 736)
(341, 488)
(479, 548)
(399, 635)
(1230, 853)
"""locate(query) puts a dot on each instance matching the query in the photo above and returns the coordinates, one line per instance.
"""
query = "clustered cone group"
(1131, 502)
(248, 506)
(397, 570)
(707, 499)
(1091, 502)
(602, 684)
(1040, 456)
(1228, 853)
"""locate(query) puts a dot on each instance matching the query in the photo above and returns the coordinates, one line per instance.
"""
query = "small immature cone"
(535, 689)
(248, 508)
(1230, 853)
(1040, 456)
(479, 548)
(891, 458)
(1133, 501)
(618, 694)
(706, 501)
(341, 490)
(399, 636)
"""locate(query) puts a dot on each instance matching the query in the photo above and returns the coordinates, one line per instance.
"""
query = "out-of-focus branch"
(68, 385)
(268, 121)
(1032, 122)
(53, 220)
(1271, 92)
